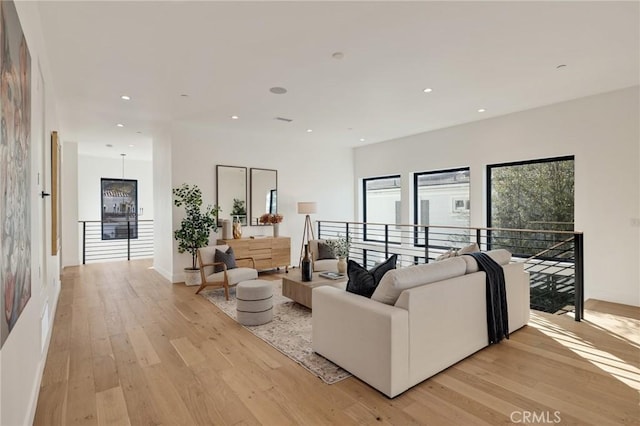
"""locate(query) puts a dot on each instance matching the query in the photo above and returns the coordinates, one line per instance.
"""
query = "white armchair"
(321, 264)
(227, 277)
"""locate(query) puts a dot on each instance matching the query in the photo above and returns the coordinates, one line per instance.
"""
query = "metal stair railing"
(553, 258)
(137, 243)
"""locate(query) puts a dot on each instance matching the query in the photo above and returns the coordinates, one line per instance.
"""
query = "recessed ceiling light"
(338, 55)
(234, 117)
(184, 95)
(481, 110)
(309, 130)
(109, 145)
(361, 139)
(278, 90)
(427, 90)
(120, 125)
(139, 132)
(131, 145)
(125, 98)
(560, 66)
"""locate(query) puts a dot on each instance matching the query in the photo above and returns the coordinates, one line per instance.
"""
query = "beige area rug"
(289, 332)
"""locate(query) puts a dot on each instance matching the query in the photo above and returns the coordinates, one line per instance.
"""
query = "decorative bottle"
(306, 264)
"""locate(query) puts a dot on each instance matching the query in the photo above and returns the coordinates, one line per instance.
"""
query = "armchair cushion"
(313, 248)
(364, 282)
(234, 275)
(228, 258)
(325, 251)
(325, 265)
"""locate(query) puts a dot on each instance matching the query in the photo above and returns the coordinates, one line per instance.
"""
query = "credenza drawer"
(268, 252)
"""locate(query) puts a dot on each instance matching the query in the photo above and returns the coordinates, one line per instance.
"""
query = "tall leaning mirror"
(263, 193)
(231, 193)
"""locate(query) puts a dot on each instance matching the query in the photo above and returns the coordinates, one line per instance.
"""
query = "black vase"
(306, 264)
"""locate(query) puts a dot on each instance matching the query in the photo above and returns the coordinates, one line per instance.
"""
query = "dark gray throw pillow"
(364, 282)
(325, 251)
(228, 258)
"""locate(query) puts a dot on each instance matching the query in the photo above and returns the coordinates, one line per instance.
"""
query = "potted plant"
(195, 226)
(272, 219)
(340, 247)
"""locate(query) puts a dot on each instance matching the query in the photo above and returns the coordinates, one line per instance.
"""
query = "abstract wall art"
(15, 169)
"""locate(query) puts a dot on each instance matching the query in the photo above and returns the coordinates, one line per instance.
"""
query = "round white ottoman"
(255, 302)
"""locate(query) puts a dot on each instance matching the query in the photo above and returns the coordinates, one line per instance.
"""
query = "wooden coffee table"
(295, 289)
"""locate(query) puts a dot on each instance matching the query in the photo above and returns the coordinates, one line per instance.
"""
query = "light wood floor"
(130, 348)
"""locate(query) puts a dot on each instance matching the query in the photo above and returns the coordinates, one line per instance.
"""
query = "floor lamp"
(306, 208)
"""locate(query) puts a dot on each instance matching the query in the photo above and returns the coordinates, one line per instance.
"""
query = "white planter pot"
(192, 276)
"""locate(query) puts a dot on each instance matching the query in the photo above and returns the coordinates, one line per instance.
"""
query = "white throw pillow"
(396, 281)
(501, 256)
(471, 248)
(446, 255)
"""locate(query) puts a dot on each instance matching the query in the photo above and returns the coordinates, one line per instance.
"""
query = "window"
(441, 198)
(382, 204)
(536, 195)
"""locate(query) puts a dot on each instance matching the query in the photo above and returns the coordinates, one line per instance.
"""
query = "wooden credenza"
(268, 252)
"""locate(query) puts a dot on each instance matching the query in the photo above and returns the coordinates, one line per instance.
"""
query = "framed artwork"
(119, 208)
(55, 192)
(15, 169)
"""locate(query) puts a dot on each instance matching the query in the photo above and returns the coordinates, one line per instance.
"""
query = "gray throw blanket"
(496, 294)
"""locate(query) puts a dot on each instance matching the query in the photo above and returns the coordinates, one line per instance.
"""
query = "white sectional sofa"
(438, 319)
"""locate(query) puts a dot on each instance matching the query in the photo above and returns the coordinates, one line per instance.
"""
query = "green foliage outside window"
(532, 196)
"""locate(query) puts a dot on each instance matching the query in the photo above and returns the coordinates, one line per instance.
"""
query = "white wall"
(92, 169)
(162, 202)
(70, 247)
(601, 131)
(23, 354)
(306, 172)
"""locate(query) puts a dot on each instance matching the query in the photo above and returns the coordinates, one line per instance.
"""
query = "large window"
(382, 201)
(441, 198)
(536, 195)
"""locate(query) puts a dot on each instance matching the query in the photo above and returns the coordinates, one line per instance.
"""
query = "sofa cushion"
(501, 256)
(228, 258)
(395, 282)
(364, 282)
(325, 251)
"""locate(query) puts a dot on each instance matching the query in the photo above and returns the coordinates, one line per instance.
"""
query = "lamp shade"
(307, 207)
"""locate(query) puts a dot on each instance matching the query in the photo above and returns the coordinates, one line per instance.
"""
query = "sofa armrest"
(365, 337)
(517, 285)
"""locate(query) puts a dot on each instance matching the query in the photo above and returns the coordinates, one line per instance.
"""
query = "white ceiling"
(501, 56)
